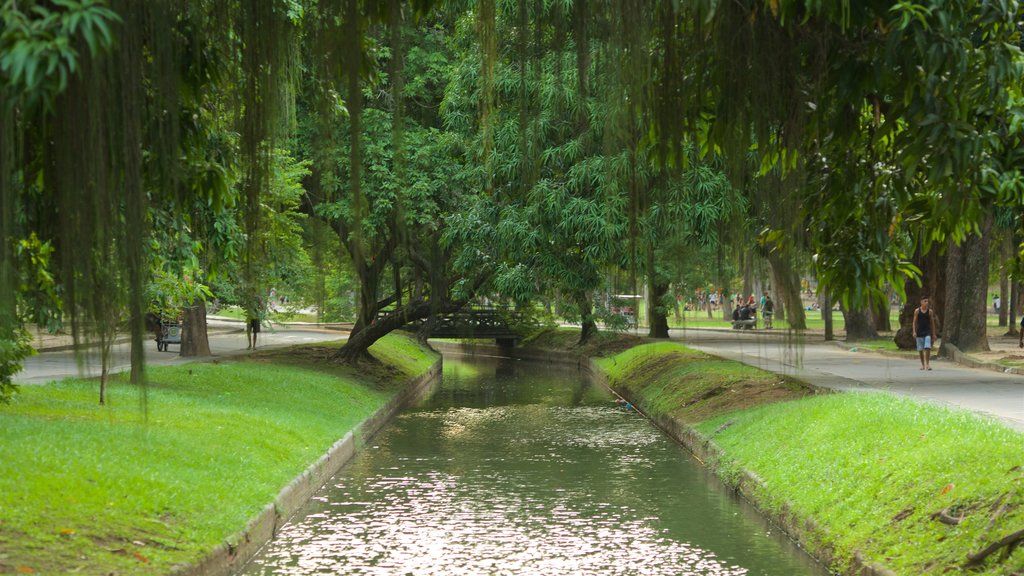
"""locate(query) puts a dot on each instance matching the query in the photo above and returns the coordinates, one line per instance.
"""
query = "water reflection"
(515, 469)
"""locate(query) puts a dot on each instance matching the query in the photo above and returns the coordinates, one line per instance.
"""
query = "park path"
(820, 363)
(227, 338)
(826, 365)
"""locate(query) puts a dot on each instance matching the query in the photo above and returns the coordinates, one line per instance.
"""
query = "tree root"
(944, 517)
(999, 507)
(1010, 542)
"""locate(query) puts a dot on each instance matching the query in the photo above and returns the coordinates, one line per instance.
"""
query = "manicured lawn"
(873, 469)
(238, 314)
(884, 343)
(113, 489)
(813, 318)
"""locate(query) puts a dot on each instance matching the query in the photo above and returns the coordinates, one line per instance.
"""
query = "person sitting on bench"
(743, 317)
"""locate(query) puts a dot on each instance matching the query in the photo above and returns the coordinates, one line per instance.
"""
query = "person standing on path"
(252, 323)
(1021, 331)
(767, 310)
(924, 320)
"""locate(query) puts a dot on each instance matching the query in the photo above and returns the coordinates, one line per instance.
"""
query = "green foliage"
(15, 346)
(39, 44)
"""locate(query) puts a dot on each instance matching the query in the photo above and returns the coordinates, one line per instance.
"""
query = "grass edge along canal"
(99, 490)
(914, 487)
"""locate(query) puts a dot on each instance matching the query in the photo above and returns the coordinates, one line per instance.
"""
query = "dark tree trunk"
(787, 288)
(587, 323)
(748, 273)
(1012, 308)
(780, 306)
(657, 314)
(859, 324)
(964, 323)
(725, 300)
(138, 344)
(826, 315)
(358, 344)
(880, 315)
(194, 340)
(933, 267)
(1006, 253)
(677, 310)
(368, 284)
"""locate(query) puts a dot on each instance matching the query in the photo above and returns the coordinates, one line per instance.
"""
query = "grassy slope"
(873, 468)
(96, 488)
(853, 462)
(603, 343)
(692, 386)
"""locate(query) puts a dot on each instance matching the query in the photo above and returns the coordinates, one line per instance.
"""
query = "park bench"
(744, 324)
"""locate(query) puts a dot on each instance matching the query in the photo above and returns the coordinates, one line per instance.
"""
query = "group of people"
(745, 311)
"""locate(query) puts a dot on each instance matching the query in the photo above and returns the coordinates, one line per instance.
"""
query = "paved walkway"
(824, 364)
(227, 339)
(820, 363)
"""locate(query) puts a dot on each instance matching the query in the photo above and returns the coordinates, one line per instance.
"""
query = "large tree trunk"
(194, 340)
(880, 315)
(748, 273)
(1011, 329)
(368, 285)
(933, 267)
(780, 305)
(826, 315)
(725, 300)
(587, 323)
(787, 288)
(859, 324)
(1006, 253)
(657, 314)
(358, 344)
(656, 311)
(964, 320)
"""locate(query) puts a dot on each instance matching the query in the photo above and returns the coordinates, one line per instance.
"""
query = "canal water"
(517, 468)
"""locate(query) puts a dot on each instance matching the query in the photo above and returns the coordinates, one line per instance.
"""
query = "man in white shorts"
(925, 321)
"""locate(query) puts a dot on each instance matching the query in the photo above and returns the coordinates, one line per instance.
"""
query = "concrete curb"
(802, 530)
(958, 356)
(231, 555)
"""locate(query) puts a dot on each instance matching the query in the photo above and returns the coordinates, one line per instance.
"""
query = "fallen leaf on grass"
(946, 489)
(140, 557)
(67, 531)
(25, 569)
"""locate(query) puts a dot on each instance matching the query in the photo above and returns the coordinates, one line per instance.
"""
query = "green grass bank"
(101, 490)
(918, 488)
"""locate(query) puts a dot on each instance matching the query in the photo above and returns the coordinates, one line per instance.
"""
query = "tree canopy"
(425, 153)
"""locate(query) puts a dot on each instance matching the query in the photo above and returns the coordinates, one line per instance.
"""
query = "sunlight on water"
(535, 473)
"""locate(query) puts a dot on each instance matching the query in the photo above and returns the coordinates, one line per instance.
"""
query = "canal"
(519, 468)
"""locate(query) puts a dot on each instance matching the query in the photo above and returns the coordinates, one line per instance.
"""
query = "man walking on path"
(924, 319)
